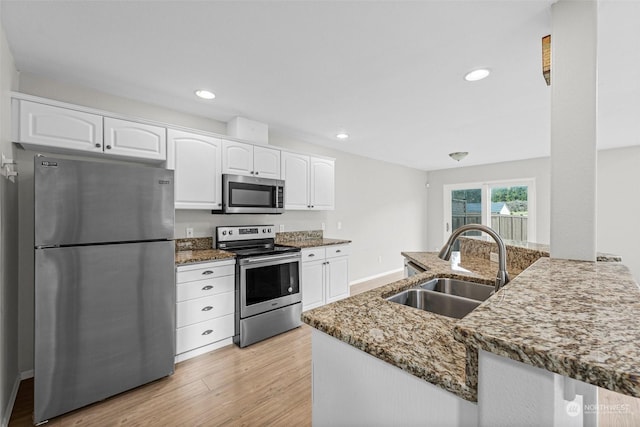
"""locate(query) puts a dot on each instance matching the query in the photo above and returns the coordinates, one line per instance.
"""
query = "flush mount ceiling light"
(342, 135)
(458, 155)
(205, 94)
(475, 75)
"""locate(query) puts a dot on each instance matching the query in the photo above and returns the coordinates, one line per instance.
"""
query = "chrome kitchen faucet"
(503, 277)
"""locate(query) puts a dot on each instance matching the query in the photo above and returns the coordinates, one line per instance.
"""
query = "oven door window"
(270, 282)
(251, 195)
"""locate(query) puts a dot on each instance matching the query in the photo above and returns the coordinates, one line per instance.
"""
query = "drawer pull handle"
(207, 332)
(207, 308)
(207, 288)
(311, 255)
(338, 251)
(207, 272)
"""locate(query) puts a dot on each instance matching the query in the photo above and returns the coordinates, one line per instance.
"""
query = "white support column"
(574, 81)
(511, 393)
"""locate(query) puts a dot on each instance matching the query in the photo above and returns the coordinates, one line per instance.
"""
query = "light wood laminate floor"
(266, 384)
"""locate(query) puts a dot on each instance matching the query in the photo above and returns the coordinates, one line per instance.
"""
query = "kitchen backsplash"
(194, 243)
(298, 236)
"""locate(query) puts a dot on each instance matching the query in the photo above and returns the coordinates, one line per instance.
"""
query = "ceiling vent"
(249, 130)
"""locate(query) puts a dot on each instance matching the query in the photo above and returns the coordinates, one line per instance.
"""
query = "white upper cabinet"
(309, 182)
(266, 162)
(322, 195)
(197, 162)
(237, 158)
(49, 126)
(137, 140)
(59, 129)
(245, 159)
(295, 172)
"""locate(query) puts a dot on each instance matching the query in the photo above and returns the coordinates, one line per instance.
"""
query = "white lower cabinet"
(325, 275)
(205, 306)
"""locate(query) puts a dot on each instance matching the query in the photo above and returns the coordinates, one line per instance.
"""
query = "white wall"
(382, 207)
(618, 205)
(533, 168)
(8, 241)
(617, 199)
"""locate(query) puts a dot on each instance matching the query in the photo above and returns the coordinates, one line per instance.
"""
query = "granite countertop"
(311, 243)
(201, 255)
(416, 341)
(543, 249)
(476, 267)
(574, 318)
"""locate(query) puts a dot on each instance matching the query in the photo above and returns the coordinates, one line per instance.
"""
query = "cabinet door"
(295, 172)
(266, 162)
(237, 158)
(49, 126)
(337, 273)
(197, 163)
(312, 284)
(322, 184)
(134, 140)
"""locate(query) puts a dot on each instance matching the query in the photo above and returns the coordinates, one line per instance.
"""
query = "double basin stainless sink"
(447, 297)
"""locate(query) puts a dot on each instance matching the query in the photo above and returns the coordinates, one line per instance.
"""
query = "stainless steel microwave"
(252, 195)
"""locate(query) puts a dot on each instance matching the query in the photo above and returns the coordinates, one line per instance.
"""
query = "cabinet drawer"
(204, 333)
(313, 254)
(201, 309)
(204, 288)
(206, 271)
(337, 250)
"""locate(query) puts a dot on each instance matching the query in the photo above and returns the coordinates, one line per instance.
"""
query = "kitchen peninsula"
(558, 326)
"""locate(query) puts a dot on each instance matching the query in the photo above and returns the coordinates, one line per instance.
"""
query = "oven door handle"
(270, 258)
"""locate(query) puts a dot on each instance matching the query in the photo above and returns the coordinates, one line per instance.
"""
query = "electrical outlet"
(339, 225)
(189, 231)
(323, 227)
(493, 257)
(281, 228)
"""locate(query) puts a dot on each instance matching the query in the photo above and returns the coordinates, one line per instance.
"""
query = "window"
(506, 206)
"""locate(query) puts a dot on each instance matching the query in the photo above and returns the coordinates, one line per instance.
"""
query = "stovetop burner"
(249, 252)
(250, 240)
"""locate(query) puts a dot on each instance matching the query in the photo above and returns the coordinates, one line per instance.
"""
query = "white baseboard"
(202, 350)
(25, 375)
(375, 276)
(12, 400)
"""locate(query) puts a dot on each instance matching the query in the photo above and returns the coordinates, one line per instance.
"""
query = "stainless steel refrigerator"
(104, 281)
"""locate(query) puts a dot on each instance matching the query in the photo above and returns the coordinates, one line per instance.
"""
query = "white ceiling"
(388, 73)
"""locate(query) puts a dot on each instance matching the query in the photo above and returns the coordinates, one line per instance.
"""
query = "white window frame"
(485, 187)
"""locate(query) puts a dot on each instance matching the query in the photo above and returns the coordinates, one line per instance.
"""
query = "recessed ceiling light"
(342, 135)
(475, 75)
(205, 94)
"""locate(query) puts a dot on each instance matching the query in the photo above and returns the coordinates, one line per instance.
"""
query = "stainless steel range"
(268, 298)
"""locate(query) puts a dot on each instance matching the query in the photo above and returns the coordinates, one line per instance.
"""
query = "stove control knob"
(264, 230)
(230, 232)
(269, 230)
(224, 233)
